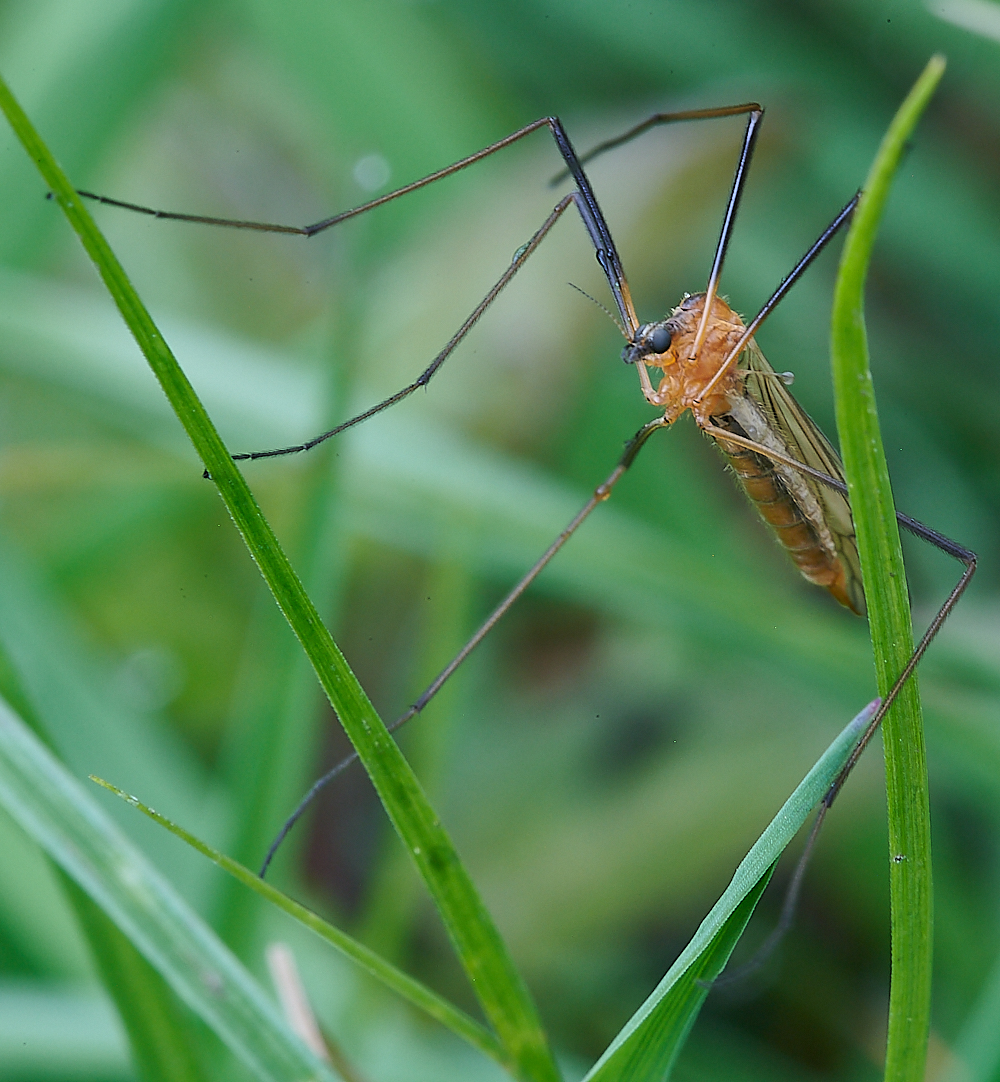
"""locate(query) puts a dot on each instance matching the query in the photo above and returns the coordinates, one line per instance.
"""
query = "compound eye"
(660, 340)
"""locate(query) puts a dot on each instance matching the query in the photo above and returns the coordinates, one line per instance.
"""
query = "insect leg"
(788, 906)
(780, 293)
(425, 377)
(756, 114)
(583, 197)
(655, 121)
(335, 219)
(198, 219)
(739, 181)
(612, 267)
(606, 254)
(601, 493)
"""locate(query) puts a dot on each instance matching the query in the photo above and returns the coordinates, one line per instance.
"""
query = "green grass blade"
(649, 1043)
(161, 1041)
(162, 1038)
(888, 608)
(497, 984)
(48, 803)
(418, 994)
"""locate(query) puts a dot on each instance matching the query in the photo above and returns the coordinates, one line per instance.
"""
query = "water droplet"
(371, 172)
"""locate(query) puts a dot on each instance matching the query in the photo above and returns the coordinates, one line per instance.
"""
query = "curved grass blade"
(418, 994)
(160, 1037)
(48, 803)
(650, 1042)
(888, 608)
(497, 984)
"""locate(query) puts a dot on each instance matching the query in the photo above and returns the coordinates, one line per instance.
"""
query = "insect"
(708, 364)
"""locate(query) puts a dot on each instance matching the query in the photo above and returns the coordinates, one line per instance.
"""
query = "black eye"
(660, 340)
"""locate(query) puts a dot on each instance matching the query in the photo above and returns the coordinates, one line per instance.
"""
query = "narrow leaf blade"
(41, 795)
(908, 803)
(649, 1043)
(418, 994)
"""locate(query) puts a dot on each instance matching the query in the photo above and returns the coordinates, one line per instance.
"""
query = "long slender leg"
(735, 195)
(601, 493)
(335, 219)
(656, 120)
(612, 268)
(425, 377)
(965, 556)
(756, 114)
(583, 197)
(586, 201)
(779, 294)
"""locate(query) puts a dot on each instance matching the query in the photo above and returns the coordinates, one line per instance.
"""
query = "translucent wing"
(808, 445)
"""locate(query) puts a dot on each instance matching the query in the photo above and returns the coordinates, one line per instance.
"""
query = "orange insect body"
(749, 400)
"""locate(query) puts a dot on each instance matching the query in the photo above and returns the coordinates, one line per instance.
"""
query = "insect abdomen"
(794, 530)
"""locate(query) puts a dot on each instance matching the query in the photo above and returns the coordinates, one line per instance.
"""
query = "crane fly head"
(669, 345)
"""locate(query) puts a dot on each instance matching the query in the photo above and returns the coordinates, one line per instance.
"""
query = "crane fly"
(710, 366)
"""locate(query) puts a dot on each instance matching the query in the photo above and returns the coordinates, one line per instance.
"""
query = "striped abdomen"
(816, 557)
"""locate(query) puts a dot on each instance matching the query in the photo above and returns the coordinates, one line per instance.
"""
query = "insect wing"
(808, 445)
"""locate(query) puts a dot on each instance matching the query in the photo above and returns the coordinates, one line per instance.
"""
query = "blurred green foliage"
(610, 753)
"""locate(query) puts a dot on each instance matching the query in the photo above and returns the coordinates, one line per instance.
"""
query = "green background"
(608, 756)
